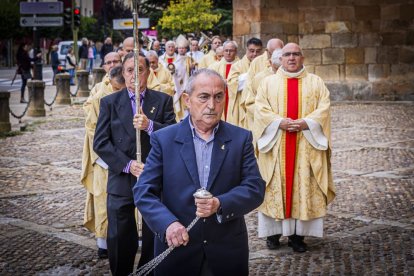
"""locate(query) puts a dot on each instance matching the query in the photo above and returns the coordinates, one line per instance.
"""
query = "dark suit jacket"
(115, 135)
(164, 194)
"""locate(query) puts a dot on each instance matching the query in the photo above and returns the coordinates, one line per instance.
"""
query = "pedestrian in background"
(91, 55)
(83, 53)
(54, 61)
(107, 47)
(71, 65)
(24, 67)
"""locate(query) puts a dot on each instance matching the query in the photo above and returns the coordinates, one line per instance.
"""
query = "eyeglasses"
(295, 54)
(112, 62)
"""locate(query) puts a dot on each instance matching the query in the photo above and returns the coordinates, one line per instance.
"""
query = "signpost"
(126, 24)
(35, 8)
(41, 21)
(41, 7)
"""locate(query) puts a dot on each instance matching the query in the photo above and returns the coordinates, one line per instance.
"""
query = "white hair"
(230, 42)
(276, 55)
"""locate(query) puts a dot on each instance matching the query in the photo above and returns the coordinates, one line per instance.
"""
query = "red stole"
(292, 112)
(155, 73)
(170, 60)
(228, 66)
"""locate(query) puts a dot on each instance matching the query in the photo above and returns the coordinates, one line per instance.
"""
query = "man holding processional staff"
(119, 144)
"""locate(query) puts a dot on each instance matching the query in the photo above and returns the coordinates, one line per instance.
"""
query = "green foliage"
(186, 16)
(10, 20)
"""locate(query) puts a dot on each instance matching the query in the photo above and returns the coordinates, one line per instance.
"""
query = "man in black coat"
(115, 143)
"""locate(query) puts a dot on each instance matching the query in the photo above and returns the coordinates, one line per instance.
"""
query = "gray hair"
(151, 53)
(230, 42)
(276, 55)
(189, 88)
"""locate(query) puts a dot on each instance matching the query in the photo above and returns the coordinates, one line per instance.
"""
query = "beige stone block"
(369, 26)
(312, 56)
(276, 15)
(407, 54)
(327, 72)
(333, 56)
(367, 12)
(337, 27)
(378, 71)
(390, 12)
(269, 28)
(342, 73)
(311, 28)
(401, 69)
(255, 27)
(293, 38)
(407, 12)
(370, 39)
(290, 28)
(310, 68)
(239, 17)
(241, 29)
(356, 71)
(315, 41)
(394, 38)
(345, 13)
(242, 4)
(344, 40)
(370, 55)
(387, 55)
(320, 14)
(354, 55)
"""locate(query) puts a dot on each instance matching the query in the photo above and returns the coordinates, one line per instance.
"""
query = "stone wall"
(363, 49)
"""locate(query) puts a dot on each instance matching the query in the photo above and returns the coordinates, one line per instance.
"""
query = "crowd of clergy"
(288, 112)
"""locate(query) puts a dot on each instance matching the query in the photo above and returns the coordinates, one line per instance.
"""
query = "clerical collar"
(294, 74)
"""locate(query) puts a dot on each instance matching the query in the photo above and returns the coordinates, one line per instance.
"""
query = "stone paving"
(369, 229)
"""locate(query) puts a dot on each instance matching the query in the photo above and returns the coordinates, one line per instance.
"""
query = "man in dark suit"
(115, 144)
(201, 151)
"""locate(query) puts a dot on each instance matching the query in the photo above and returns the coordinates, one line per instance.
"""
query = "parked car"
(63, 47)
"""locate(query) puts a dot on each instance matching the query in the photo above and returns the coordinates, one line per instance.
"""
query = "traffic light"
(76, 17)
(67, 17)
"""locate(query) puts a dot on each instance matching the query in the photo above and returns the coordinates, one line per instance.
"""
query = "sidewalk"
(369, 228)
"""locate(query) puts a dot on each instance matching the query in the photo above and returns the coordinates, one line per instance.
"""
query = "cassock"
(152, 82)
(259, 64)
(295, 165)
(166, 81)
(223, 68)
(94, 175)
(236, 81)
(182, 74)
(251, 91)
(207, 60)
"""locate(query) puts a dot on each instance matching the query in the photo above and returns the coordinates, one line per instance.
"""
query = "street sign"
(41, 21)
(41, 7)
(127, 24)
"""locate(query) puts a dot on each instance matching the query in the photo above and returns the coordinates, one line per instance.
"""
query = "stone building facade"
(363, 49)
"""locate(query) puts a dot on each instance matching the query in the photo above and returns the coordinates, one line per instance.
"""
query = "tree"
(186, 16)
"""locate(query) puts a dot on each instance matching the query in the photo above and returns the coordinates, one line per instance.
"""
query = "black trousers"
(122, 236)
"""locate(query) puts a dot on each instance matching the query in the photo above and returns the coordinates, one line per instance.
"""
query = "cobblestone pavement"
(369, 229)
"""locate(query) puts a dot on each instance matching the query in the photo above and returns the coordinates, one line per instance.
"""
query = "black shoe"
(297, 244)
(272, 242)
(102, 253)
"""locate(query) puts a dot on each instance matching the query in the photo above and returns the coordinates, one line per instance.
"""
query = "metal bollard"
(98, 74)
(83, 83)
(5, 125)
(36, 98)
(63, 89)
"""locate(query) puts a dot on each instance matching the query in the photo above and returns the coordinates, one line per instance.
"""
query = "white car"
(63, 47)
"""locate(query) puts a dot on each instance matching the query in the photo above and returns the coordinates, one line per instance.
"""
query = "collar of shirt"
(195, 134)
(132, 94)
